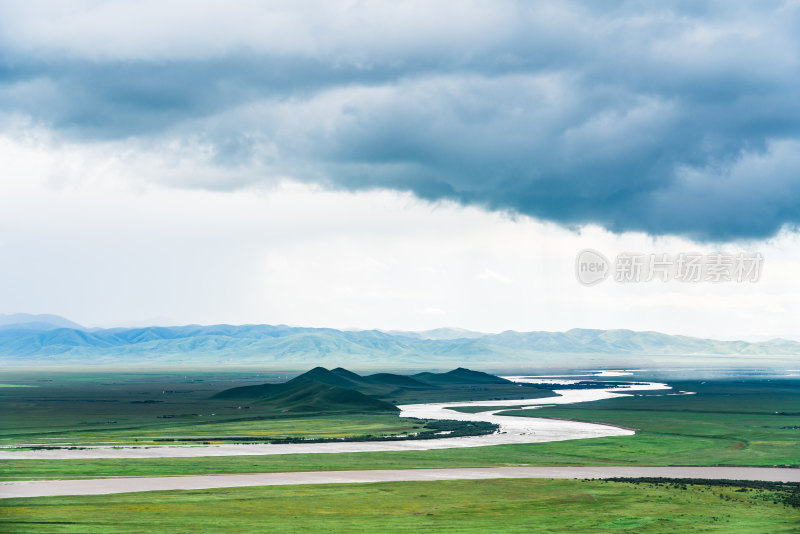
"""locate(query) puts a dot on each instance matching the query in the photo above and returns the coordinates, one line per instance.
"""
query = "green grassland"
(503, 505)
(67, 407)
(754, 422)
(732, 422)
(727, 422)
(116, 410)
(68, 410)
(316, 426)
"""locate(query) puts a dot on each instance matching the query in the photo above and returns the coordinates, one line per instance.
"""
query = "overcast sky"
(397, 165)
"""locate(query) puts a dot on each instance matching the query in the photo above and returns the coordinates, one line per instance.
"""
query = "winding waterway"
(512, 430)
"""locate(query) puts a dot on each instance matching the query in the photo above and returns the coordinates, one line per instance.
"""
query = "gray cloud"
(637, 116)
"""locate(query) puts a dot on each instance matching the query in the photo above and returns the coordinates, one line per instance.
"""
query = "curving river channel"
(512, 430)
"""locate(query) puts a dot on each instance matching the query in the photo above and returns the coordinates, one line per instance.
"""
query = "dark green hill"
(336, 377)
(318, 375)
(339, 377)
(317, 397)
(318, 390)
(460, 376)
(341, 390)
(349, 375)
(397, 381)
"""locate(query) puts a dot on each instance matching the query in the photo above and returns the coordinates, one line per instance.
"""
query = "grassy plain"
(117, 409)
(731, 422)
(727, 422)
(505, 505)
(209, 431)
(144, 409)
(748, 422)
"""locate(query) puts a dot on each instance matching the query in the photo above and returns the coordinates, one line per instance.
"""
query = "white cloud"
(570, 112)
(80, 240)
(168, 184)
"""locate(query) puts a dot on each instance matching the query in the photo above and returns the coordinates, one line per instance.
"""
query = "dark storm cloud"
(669, 120)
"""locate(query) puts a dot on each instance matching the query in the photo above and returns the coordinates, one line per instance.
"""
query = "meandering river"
(512, 430)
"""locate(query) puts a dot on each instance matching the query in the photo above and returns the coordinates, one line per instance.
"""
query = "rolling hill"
(460, 376)
(317, 390)
(341, 387)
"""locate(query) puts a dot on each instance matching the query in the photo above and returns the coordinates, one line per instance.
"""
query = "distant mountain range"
(52, 340)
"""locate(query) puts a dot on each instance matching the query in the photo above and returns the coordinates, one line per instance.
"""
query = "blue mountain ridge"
(281, 344)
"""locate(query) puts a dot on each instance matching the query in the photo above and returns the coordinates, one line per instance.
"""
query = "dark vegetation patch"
(429, 429)
(787, 493)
